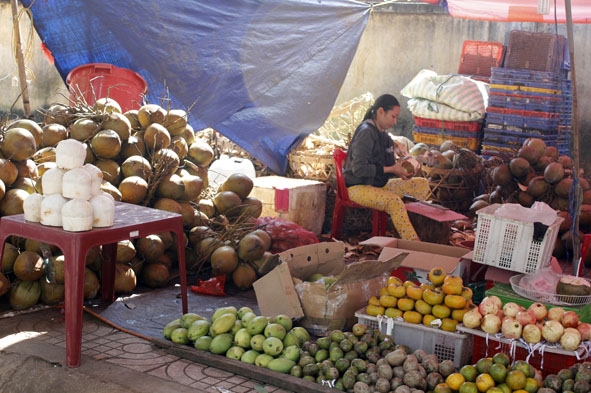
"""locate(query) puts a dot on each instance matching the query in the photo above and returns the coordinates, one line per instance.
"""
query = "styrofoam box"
(446, 345)
(509, 243)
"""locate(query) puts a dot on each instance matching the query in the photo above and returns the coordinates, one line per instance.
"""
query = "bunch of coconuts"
(240, 249)
(150, 156)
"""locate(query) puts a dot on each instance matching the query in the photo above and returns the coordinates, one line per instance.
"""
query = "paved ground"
(32, 359)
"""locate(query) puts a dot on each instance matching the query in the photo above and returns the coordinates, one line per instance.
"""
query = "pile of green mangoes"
(240, 334)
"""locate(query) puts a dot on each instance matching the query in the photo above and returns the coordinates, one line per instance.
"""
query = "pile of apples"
(533, 324)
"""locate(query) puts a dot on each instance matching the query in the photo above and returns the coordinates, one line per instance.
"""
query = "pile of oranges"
(442, 301)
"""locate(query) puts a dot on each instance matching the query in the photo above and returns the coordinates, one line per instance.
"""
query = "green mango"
(179, 336)
(235, 352)
(249, 356)
(167, 331)
(282, 365)
(188, 318)
(198, 328)
(203, 343)
(224, 310)
(221, 343)
(263, 360)
(257, 325)
(222, 324)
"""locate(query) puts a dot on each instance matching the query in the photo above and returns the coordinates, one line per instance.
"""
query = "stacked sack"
(71, 195)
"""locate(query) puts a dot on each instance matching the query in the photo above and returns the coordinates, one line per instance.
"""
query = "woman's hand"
(398, 170)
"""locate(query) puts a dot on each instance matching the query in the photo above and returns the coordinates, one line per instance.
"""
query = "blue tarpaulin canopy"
(264, 73)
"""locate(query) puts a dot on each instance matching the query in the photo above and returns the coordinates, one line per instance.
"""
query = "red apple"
(491, 324)
(525, 317)
(552, 331)
(531, 333)
(540, 311)
(585, 330)
(511, 309)
(511, 328)
(570, 319)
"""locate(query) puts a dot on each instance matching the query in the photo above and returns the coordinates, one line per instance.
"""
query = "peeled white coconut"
(103, 206)
(51, 210)
(77, 215)
(51, 181)
(70, 154)
(77, 183)
(96, 178)
(32, 207)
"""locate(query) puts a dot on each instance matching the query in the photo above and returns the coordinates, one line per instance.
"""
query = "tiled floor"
(105, 343)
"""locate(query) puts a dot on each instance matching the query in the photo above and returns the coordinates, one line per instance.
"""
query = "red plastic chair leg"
(338, 215)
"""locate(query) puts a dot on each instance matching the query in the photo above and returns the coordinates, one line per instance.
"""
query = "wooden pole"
(576, 192)
(22, 72)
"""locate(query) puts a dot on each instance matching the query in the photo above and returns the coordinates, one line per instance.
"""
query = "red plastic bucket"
(99, 80)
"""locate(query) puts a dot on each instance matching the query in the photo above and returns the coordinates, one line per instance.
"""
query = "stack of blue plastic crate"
(525, 104)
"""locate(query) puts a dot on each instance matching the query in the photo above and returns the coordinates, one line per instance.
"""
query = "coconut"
(537, 187)
(251, 207)
(448, 145)
(57, 113)
(8, 171)
(8, 257)
(52, 180)
(28, 266)
(584, 184)
(150, 247)
(96, 178)
(251, 247)
(207, 207)
(519, 167)
(151, 113)
(136, 166)
(133, 146)
(552, 152)
(107, 105)
(51, 210)
(44, 167)
(536, 143)
(193, 187)
(2, 189)
(91, 284)
(77, 215)
(571, 285)
(167, 204)
(137, 264)
(119, 123)
(24, 294)
(562, 188)
(501, 175)
(52, 294)
(25, 183)
(198, 233)
(18, 144)
(188, 213)
(76, 183)
(244, 276)
(132, 117)
(155, 275)
(188, 134)
(125, 251)
(94, 259)
(53, 134)
(27, 168)
(30, 125)
(200, 153)
(525, 199)
(175, 121)
(227, 203)
(133, 189)
(566, 162)
(13, 201)
(111, 170)
(180, 146)
(172, 187)
(32, 207)
(43, 155)
(542, 163)
(106, 144)
(238, 183)
(200, 218)
(165, 161)
(83, 129)
(156, 137)
(70, 154)
(110, 189)
(125, 278)
(554, 172)
(4, 284)
(530, 153)
(477, 205)
(224, 260)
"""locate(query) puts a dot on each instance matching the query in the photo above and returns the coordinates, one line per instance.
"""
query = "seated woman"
(373, 176)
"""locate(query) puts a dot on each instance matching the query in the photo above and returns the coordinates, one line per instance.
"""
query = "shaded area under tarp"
(264, 73)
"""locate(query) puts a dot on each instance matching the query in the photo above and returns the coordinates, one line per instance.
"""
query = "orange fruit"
(394, 280)
(458, 315)
(388, 301)
(414, 292)
(531, 385)
(374, 300)
(449, 325)
(409, 283)
(452, 288)
(455, 380)
(393, 312)
(423, 307)
(454, 279)
(397, 290)
(469, 372)
(468, 387)
(383, 291)
(441, 311)
(484, 382)
(428, 319)
(373, 310)
(502, 358)
(467, 293)
(483, 365)
(515, 379)
(436, 275)
(499, 372)
(412, 316)
(433, 296)
(442, 388)
(504, 388)
(406, 304)
(454, 301)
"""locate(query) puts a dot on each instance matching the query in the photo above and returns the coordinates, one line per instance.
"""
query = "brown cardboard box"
(284, 290)
(422, 257)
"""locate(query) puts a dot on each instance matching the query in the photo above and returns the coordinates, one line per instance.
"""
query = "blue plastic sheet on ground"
(264, 73)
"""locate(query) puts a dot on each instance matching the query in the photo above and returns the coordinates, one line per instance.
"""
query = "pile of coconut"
(71, 193)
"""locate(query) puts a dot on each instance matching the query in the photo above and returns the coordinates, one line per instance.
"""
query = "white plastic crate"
(508, 243)
(446, 345)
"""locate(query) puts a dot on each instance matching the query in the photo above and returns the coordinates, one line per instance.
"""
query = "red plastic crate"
(550, 361)
(468, 126)
(522, 112)
(478, 57)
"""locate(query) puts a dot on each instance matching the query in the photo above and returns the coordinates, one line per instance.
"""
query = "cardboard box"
(297, 200)
(284, 290)
(421, 258)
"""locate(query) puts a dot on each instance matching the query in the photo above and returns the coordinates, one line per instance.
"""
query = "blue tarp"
(264, 73)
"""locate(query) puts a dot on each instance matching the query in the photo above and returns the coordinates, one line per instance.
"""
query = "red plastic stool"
(131, 221)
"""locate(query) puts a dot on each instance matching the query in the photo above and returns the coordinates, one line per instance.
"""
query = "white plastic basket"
(446, 345)
(508, 243)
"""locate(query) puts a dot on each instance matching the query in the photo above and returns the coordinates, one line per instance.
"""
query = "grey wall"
(399, 41)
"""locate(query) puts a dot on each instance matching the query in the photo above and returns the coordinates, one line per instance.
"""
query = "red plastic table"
(131, 221)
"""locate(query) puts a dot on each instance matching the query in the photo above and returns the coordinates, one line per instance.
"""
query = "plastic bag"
(542, 281)
(213, 286)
